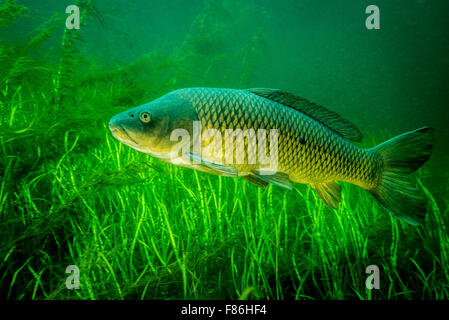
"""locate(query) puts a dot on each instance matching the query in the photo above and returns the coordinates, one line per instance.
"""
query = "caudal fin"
(401, 156)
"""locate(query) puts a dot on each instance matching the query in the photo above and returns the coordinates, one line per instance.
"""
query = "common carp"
(308, 144)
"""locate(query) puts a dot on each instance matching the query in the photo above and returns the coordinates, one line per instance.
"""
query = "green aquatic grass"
(141, 229)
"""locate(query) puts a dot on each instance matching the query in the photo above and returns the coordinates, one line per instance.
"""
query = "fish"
(309, 144)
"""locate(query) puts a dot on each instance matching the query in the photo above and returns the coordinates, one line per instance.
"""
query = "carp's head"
(147, 128)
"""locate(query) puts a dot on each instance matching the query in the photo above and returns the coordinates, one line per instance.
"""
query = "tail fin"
(402, 155)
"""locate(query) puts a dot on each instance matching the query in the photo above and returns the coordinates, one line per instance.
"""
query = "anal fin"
(329, 192)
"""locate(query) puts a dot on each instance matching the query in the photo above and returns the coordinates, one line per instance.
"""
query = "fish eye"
(145, 117)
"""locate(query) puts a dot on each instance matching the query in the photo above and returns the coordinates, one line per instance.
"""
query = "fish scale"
(308, 151)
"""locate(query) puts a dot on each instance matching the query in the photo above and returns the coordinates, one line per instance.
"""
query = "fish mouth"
(120, 133)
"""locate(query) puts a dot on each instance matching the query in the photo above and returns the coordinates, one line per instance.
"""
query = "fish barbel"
(308, 143)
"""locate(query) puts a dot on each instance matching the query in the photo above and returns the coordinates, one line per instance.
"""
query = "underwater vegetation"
(138, 228)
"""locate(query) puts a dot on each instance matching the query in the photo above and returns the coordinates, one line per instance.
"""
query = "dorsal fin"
(328, 118)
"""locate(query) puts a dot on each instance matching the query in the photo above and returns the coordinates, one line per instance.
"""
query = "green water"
(137, 228)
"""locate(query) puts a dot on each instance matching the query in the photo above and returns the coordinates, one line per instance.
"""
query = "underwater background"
(138, 228)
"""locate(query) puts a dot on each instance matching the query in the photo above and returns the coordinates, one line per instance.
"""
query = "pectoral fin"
(216, 168)
(279, 179)
(329, 192)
